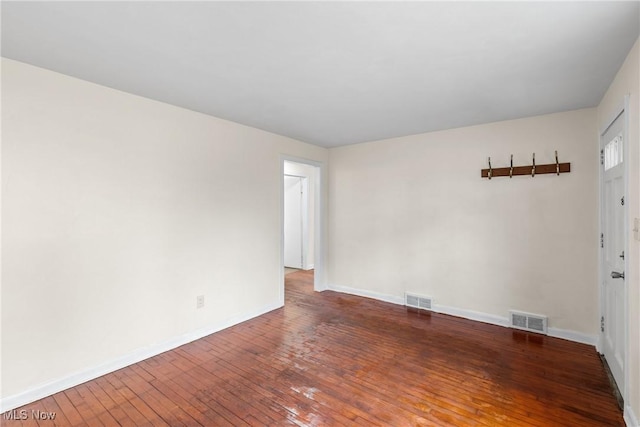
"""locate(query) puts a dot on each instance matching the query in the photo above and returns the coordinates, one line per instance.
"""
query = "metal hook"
(511, 168)
(533, 168)
(490, 169)
(557, 164)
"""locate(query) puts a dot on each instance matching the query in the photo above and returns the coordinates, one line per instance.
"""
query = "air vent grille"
(518, 321)
(529, 322)
(417, 301)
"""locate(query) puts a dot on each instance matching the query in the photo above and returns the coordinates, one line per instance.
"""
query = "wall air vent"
(417, 301)
(528, 322)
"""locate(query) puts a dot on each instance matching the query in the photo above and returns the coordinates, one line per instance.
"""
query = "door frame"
(621, 110)
(319, 283)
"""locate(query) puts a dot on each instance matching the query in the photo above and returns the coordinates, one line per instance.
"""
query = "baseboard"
(504, 321)
(599, 344)
(573, 336)
(472, 315)
(52, 387)
(469, 314)
(630, 419)
(366, 294)
(308, 267)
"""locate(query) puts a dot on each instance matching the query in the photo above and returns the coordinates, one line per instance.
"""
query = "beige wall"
(412, 214)
(117, 212)
(627, 82)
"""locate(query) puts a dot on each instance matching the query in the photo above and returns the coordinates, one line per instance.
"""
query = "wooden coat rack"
(532, 169)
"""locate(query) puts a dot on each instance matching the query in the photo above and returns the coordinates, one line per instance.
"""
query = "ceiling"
(336, 73)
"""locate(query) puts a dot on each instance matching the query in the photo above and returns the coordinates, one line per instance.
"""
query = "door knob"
(616, 275)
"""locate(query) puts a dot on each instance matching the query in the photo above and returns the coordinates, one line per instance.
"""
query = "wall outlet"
(200, 301)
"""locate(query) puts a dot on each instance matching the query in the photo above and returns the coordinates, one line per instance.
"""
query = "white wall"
(117, 212)
(412, 214)
(309, 172)
(627, 82)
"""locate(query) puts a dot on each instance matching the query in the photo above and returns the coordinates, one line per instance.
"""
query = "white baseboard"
(504, 321)
(630, 419)
(472, 315)
(469, 314)
(573, 336)
(308, 267)
(52, 387)
(366, 294)
(599, 347)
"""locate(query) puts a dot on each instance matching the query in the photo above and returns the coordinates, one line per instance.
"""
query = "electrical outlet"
(200, 301)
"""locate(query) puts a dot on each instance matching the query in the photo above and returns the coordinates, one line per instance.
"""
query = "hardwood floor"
(330, 359)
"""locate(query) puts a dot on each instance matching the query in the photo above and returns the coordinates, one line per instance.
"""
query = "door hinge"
(622, 201)
(622, 255)
(602, 157)
(602, 240)
(602, 324)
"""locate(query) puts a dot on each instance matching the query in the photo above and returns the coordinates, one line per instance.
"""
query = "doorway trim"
(319, 284)
(621, 110)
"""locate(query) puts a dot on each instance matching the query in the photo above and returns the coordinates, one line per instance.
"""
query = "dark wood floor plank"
(51, 407)
(120, 401)
(181, 392)
(117, 381)
(67, 408)
(332, 359)
(82, 407)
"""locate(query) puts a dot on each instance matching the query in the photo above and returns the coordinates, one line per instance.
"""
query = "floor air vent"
(417, 301)
(529, 322)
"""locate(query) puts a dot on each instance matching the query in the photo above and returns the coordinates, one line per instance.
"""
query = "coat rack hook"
(511, 168)
(533, 168)
(557, 164)
(490, 169)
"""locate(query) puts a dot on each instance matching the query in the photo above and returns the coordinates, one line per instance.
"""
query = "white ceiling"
(336, 73)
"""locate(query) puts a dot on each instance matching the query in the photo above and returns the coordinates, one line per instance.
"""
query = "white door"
(613, 245)
(293, 197)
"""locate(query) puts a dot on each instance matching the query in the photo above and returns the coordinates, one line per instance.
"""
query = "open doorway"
(301, 184)
(298, 207)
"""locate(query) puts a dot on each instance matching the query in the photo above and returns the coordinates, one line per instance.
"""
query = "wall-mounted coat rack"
(531, 169)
